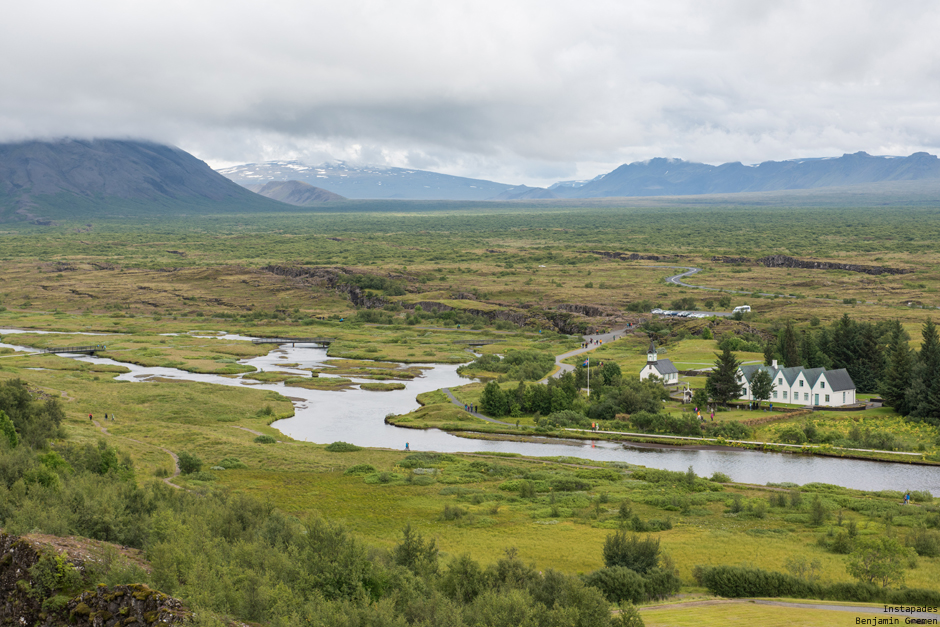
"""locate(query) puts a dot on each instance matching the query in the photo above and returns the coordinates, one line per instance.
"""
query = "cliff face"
(39, 586)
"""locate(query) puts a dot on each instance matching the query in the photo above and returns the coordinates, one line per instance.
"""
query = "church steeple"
(651, 355)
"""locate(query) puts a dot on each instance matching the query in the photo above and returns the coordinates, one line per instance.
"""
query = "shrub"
(740, 581)
(231, 463)
(360, 469)
(189, 463)
(631, 552)
(619, 584)
(265, 439)
(926, 543)
(342, 447)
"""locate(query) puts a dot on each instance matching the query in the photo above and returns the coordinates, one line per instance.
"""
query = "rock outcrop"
(41, 587)
(783, 261)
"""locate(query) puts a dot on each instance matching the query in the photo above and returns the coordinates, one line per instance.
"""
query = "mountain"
(675, 177)
(295, 193)
(368, 181)
(69, 178)
(524, 192)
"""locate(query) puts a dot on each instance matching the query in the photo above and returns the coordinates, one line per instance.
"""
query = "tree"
(869, 362)
(789, 348)
(762, 385)
(812, 356)
(610, 372)
(189, 463)
(631, 552)
(924, 395)
(415, 554)
(769, 354)
(878, 560)
(493, 401)
(722, 384)
(7, 431)
(897, 376)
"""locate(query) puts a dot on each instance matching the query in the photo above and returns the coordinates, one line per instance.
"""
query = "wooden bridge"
(477, 342)
(319, 341)
(90, 350)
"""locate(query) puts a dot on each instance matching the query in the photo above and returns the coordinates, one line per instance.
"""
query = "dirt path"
(453, 399)
(176, 459)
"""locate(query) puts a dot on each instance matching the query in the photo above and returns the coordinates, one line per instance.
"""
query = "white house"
(662, 368)
(815, 387)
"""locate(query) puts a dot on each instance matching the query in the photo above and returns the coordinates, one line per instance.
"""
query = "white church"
(662, 368)
(802, 386)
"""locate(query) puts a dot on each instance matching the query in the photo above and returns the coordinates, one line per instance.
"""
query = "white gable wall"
(805, 394)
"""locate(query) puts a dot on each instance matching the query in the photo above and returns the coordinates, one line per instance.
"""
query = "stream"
(357, 416)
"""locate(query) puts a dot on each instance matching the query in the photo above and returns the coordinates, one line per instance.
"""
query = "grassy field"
(518, 276)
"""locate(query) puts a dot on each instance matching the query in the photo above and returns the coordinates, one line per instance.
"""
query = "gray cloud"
(520, 91)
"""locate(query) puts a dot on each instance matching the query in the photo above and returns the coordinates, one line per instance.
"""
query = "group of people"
(471, 407)
(92, 418)
(699, 415)
(590, 343)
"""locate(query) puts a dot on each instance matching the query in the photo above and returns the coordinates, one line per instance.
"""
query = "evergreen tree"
(493, 401)
(844, 347)
(812, 356)
(924, 396)
(869, 363)
(722, 384)
(769, 354)
(790, 350)
(897, 377)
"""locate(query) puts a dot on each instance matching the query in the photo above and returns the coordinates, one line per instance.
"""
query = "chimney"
(773, 363)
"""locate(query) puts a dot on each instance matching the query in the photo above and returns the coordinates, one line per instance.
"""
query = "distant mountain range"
(46, 180)
(42, 181)
(294, 193)
(655, 177)
(368, 181)
(674, 177)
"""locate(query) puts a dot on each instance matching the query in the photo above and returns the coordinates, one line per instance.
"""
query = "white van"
(741, 308)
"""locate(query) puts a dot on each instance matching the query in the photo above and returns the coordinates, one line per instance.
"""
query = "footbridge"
(477, 342)
(87, 350)
(319, 341)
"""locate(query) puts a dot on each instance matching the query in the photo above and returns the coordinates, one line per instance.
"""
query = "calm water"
(357, 416)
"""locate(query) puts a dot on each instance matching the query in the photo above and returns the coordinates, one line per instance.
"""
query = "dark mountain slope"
(68, 178)
(295, 193)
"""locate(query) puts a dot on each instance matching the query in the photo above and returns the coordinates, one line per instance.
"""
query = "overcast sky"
(515, 91)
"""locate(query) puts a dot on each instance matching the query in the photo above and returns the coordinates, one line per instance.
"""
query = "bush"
(342, 447)
(360, 469)
(631, 552)
(265, 439)
(740, 581)
(232, 463)
(619, 584)
(926, 543)
(189, 463)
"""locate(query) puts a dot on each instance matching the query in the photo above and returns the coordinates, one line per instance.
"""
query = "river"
(357, 416)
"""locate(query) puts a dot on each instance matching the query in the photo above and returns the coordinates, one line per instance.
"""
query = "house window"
(843, 397)
(827, 398)
(805, 396)
(775, 394)
(801, 382)
(780, 381)
(822, 384)
(784, 395)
